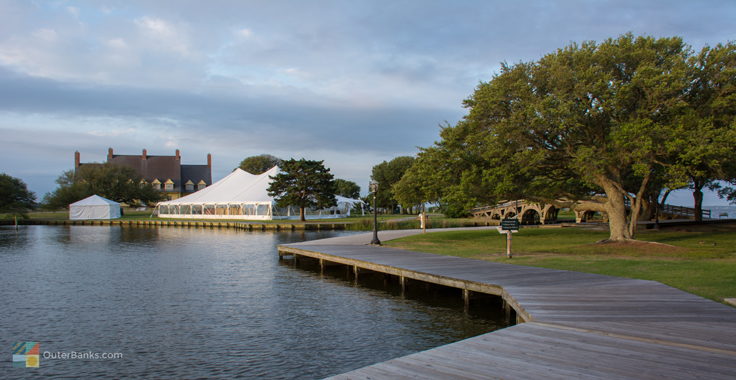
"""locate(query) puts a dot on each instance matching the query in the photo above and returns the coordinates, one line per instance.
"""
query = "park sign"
(508, 227)
(510, 224)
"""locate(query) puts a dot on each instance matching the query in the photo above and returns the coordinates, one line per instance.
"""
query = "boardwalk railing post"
(507, 312)
(466, 299)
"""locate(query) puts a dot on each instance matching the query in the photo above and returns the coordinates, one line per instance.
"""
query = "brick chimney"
(109, 154)
(76, 159)
(178, 156)
(145, 154)
(209, 160)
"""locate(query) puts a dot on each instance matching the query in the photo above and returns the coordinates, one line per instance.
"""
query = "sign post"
(508, 227)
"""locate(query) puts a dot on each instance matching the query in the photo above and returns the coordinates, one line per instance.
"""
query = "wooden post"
(321, 266)
(402, 283)
(507, 312)
(508, 244)
(466, 299)
(355, 272)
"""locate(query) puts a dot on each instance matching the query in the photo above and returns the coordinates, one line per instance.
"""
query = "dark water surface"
(188, 303)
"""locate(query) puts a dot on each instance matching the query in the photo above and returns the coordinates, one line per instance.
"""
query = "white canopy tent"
(241, 195)
(94, 207)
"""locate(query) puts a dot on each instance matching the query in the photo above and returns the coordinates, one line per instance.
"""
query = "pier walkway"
(574, 325)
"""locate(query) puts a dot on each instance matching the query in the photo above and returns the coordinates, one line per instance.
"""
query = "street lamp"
(374, 190)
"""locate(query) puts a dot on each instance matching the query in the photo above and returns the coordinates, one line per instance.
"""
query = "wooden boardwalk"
(577, 325)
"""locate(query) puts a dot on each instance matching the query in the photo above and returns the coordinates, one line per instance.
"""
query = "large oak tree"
(703, 150)
(587, 120)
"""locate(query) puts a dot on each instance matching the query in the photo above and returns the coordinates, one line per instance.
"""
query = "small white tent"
(94, 207)
(241, 195)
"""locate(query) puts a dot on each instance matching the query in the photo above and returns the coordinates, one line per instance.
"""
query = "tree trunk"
(698, 197)
(616, 209)
(660, 206)
(301, 214)
(636, 206)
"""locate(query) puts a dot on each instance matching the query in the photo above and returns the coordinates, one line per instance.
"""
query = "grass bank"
(700, 260)
(356, 223)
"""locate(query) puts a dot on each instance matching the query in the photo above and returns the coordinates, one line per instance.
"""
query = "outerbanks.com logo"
(28, 355)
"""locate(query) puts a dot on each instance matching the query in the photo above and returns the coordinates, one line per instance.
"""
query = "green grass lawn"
(700, 260)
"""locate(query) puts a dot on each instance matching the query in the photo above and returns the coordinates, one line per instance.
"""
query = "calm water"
(188, 303)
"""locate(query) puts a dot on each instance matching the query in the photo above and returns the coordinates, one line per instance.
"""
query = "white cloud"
(164, 34)
(112, 132)
(244, 32)
(74, 11)
(156, 25)
(117, 43)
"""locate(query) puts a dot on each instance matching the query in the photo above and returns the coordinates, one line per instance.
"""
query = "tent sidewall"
(88, 212)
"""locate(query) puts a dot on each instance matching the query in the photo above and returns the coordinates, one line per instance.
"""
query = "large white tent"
(241, 195)
(94, 207)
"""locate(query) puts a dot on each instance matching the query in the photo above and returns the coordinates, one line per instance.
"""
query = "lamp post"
(374, 190)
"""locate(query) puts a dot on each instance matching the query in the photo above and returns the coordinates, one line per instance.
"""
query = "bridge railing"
(684, 211)
(687, 212)
(500, 205)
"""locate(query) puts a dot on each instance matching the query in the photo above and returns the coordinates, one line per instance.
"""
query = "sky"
(352, 83)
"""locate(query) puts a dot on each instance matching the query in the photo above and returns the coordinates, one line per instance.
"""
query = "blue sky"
(349, 82)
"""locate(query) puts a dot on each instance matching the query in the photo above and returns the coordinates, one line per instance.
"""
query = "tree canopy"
(117, 183)
(617, 118)
(259, 164)
(15, 198)
(347, 189)
(387, 173)
(303, 183)
(702, 152)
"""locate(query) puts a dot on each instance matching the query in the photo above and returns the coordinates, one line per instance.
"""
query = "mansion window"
(201, 185)
(189, 186)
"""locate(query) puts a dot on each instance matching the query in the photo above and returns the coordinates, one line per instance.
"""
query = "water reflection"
(191, 302)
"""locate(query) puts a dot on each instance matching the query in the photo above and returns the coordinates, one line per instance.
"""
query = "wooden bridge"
(529, 212)
(572, 325)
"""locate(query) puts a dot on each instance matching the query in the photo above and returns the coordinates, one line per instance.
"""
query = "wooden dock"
(575, 325)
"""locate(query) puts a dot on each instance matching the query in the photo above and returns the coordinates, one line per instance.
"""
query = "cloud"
(354, 82)
(244, 32)
(164, 34)
(231, 127)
